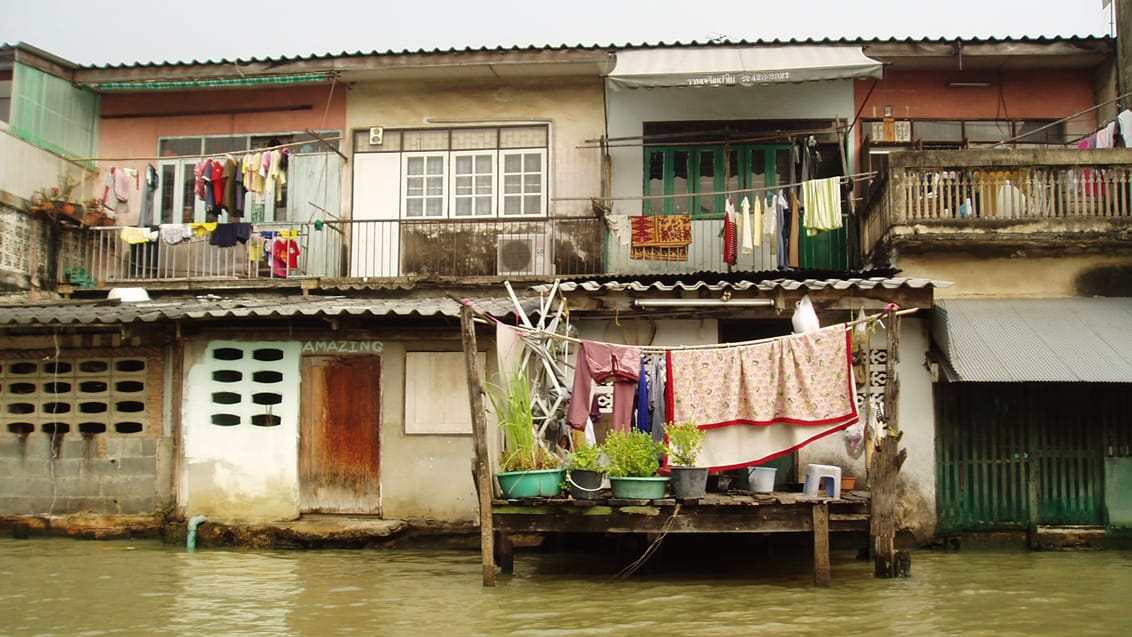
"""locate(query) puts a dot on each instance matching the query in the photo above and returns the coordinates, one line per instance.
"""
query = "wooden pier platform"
(778, 512)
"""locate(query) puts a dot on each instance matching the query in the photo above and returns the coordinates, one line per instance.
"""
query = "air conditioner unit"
(524, 254)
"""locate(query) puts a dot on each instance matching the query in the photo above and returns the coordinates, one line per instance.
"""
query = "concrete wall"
(1021, 275)
(25, 168)
(47, 472)
(572, 108)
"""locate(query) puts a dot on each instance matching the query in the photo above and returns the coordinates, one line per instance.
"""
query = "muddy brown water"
(69, 587)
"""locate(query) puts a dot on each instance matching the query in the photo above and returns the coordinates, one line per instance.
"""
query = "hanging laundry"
(658, 380)
(822, 200)
(730, 235)
(227, 235)
(761, 401)
(600, 362)
(151, 182)
(203, 229)
(661, 237)
(795, 231)
(781, 217)
(644, 422)
(174, 233)
(1124, 123)
(746, 233)
(284, 257)
(218, 178)
(133, 235)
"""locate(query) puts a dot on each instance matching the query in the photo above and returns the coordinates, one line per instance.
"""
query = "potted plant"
(586, 472)
(528, 468)
(685, 440)
(634, 458)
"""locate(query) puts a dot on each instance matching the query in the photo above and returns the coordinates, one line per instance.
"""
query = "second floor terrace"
(987, 200)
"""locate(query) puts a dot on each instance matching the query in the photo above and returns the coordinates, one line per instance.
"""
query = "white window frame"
(454, 187)
(183, 169)
(542, 186)
(424, 197)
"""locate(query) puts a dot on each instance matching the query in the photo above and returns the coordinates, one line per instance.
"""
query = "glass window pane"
(532, 204)
(680, 184)
(463, 186)
(414, 186)
(463, 165)
(938, 131)
(414, 166)
(168, 187)
(434, 207)
(463, 207)
(483, 206)
(483, 184)
(532, 162)
(483, 163)
(414, 207)
(185, 146)
(512, 205)
(435, 185)
(655, 181)
(435, 165)
(532, 183)
(512, 184)
(987, 131)
(512, 163)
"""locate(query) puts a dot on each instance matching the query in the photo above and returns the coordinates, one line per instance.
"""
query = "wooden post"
(505, 552)
(484, 478)
(885, 467)
(821, 544)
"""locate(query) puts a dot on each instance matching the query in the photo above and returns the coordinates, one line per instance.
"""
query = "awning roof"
(1035, 340)
(740, 66)
(259, 307)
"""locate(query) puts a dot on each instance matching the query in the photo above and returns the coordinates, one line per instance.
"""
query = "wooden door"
(339, 438)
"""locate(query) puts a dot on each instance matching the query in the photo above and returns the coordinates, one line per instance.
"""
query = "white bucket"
(761, 479)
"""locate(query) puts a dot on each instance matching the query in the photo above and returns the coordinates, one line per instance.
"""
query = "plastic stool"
(815, 473)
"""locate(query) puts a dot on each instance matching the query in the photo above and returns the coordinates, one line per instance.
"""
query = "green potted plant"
(634, 458)
(586, 472)
(685, 440)
(528, 468)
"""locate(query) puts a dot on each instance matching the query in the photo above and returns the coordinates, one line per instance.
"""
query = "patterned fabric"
(661, 237)
(758, 402)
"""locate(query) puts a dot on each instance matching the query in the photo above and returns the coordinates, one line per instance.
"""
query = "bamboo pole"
(484, 479)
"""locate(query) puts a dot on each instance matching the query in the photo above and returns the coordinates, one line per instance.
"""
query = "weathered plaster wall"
(572, 108)
(1022, 275)
(423, 476)
(917, 482)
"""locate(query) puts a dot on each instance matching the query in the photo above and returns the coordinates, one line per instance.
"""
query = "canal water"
(63, 587)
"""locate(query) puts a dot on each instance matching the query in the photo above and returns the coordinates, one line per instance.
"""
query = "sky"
(129, 31)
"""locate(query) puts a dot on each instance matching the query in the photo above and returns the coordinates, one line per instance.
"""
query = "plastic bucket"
(761, 479)
(651, 488)
(530, 484)
(585, 484)
(689, 482)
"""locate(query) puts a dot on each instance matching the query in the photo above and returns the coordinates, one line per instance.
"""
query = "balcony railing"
(1007, 191)
(543, 248)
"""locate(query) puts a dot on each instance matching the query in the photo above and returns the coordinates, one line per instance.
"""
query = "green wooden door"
(1015, 455)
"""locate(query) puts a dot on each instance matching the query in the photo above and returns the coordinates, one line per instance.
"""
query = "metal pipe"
(703, 302)
(191, 538)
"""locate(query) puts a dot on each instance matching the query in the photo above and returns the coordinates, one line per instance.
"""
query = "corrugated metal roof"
(203, 308)
(597, 47)
(1035, 340)
(763, 285)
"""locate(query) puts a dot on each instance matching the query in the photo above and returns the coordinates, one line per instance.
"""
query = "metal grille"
(1004, 449)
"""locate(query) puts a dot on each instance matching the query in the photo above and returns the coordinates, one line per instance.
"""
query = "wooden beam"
(484, 478)
(820, 512)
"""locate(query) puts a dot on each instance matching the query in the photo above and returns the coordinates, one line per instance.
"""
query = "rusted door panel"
(339, 444)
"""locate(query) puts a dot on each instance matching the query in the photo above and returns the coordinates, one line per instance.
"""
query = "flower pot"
(689, 482)
(848, 483)
(530, 484)
(585, 484)
(650, 488)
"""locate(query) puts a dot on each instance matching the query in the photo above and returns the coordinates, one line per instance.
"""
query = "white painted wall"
(628, 110)
(25, 168)
(243, 472)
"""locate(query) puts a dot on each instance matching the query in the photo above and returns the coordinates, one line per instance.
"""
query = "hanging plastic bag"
(855, 440)
(805, 318)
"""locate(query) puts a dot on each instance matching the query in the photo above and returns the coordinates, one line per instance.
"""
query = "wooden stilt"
(821, 544)
(484, 478)
(505, 552)
(885, 468)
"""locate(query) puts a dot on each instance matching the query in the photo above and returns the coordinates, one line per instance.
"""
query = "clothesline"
(736, 191)
(204, 155)
(665, 348)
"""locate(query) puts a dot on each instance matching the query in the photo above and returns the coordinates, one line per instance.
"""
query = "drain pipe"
(191, 539)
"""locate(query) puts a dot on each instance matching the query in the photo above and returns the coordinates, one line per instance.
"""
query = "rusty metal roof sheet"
(1035, 340)
(211, 307)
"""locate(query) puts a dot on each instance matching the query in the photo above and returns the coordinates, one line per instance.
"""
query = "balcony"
(1035, 199)
(372, 251)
